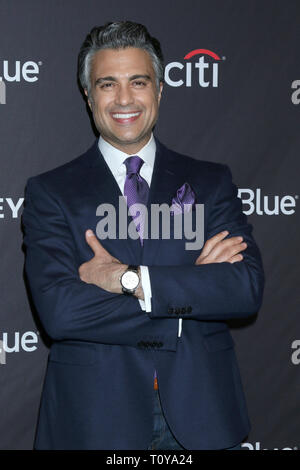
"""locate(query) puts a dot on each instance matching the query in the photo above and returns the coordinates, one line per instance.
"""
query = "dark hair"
(118, 35)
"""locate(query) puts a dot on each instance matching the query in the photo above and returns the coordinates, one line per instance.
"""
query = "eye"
(139, 83)
(106, 85)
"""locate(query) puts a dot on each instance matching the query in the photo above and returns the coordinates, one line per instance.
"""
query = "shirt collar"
(115, 157)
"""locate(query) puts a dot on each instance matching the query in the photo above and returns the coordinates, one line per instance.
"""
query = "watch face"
(130, 280)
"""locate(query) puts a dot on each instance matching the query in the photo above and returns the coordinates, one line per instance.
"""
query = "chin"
(130, 139)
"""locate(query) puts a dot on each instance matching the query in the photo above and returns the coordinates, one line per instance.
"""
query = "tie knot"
(133, 164)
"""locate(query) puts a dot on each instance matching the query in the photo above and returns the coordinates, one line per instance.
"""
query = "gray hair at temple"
(118, 35)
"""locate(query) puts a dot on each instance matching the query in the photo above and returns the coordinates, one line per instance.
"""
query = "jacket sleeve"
(70, 309)
(216, 291)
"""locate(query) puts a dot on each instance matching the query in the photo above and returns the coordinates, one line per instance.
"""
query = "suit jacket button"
(189, 309)
(170, 310)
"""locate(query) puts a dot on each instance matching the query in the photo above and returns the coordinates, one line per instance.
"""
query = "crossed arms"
(104, 270)
(84, 302)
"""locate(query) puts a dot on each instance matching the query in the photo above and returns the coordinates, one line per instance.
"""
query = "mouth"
(125, 118)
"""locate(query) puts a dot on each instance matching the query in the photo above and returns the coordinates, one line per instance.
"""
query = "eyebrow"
(114, 79)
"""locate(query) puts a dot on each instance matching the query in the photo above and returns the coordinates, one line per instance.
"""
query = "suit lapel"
(104, 189)
(164, 184)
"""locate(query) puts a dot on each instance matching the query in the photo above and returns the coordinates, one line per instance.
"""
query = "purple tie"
(136, 188)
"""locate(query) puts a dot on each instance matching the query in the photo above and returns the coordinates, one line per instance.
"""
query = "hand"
(139, 292)
(103, 270)
(218, 250)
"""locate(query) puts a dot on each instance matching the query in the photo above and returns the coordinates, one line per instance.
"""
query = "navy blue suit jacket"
(98, 388)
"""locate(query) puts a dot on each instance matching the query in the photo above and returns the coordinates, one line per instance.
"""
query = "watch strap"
(132, 267)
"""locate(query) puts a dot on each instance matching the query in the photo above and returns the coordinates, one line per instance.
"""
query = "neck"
(130, 148)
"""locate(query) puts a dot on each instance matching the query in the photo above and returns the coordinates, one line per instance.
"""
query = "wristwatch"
(130, 280)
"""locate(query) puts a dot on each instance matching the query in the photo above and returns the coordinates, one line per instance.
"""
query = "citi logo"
(204, 72)
(16, 72)
(266, 205)
(16, 342)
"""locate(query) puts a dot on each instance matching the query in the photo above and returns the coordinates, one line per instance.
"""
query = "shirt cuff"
(146, 285)
(179, 327)
(146, 303)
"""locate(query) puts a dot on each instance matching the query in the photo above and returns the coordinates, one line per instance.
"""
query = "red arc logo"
(202, 51)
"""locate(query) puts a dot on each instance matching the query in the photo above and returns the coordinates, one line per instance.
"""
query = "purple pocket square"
(184, 200)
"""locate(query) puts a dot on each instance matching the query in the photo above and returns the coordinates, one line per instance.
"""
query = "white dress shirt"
(114, 159)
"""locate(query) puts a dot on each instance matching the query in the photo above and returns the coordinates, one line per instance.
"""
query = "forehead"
(119, 62)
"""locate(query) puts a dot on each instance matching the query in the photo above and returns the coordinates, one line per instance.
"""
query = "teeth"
(125, 116)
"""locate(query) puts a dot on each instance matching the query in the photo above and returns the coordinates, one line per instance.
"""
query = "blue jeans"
(162, 437)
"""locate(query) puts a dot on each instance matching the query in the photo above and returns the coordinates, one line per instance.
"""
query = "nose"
(124, 95)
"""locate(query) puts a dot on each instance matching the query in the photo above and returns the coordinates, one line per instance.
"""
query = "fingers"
(212, 242)
(228, 248)
(218, 250)
(95, 245)
(236, 258)
(209, 245)
(98, 249)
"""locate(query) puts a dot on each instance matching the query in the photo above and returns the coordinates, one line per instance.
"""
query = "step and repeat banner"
(231, 95)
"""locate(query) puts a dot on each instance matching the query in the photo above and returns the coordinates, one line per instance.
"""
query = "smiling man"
(125, 104)
(142, 357)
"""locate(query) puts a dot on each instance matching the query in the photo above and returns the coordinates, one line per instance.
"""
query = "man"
(142, 357)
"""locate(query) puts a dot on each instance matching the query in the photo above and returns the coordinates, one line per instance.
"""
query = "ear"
(88, 100)
(161, 85)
